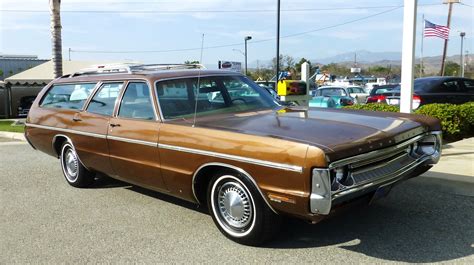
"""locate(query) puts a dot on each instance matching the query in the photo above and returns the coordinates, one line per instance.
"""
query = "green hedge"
(457, 121)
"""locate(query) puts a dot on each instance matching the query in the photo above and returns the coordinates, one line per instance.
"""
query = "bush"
(374, 107)
(457, 121)
(448, 115)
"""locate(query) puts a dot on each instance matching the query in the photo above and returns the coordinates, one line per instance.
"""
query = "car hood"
(340, 133)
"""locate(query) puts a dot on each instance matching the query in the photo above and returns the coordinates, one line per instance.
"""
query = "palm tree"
(56, 37)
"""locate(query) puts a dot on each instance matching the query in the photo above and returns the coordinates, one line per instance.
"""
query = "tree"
(280, 63)
(289, 63)
(191, 62)
(378, 70)
(300, 63)
(1, 73)
(261, 74)
(336, 69)
(451, 69)
(417, 71)
(56, 37)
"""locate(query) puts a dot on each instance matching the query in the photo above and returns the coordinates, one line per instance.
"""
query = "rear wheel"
(74, 172)
(239, 211)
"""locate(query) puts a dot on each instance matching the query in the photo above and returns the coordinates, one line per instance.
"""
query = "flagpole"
(422, 37)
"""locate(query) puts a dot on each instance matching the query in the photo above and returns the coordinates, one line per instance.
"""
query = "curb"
(13, 135)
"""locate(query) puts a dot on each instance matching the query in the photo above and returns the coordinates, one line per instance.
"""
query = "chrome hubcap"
(71, 164)
(234, 205)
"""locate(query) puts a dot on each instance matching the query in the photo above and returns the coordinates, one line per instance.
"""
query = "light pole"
(462, 34)
(278, 43)
(247, 38)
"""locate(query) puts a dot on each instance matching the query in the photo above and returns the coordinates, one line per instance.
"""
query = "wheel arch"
(58, 141)
(202, 176)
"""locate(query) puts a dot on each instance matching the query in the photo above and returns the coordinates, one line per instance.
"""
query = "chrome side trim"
(133, 141)
(234, 158)
(243, 172)
(102, 136)
(259, 162)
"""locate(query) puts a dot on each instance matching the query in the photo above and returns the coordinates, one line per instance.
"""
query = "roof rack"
(130, 68)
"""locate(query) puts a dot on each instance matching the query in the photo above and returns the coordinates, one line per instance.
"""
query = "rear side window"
(68, 96)
(136, 102)
(104, 99)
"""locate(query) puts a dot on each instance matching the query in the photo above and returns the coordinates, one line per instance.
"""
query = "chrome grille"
(381, 169)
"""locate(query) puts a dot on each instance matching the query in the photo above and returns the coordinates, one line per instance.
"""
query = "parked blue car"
(330, 97)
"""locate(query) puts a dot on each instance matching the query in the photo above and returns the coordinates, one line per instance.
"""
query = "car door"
(133, 138)
(469, 87)
(449, 91)
(92, 125)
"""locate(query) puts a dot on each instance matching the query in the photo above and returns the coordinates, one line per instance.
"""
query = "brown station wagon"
(216, 138)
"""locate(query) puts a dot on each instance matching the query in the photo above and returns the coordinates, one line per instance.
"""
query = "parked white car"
(357, 93)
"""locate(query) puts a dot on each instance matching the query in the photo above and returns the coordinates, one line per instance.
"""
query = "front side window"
(469, 84)
(104, 99)
(67, 96)
(136, 102)
(218, 94)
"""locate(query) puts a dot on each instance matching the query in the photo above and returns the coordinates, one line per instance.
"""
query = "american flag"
(433, 30)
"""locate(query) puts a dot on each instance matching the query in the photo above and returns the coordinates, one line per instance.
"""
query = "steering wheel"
(239, 99)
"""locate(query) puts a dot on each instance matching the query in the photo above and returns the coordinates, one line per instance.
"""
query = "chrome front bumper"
(369, 171)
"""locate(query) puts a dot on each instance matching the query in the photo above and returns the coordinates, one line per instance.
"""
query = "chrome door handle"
(76, 119)
(114, 125)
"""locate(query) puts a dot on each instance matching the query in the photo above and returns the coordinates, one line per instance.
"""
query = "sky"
(167, 31)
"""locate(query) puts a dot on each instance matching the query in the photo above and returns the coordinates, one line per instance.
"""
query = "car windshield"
(382, 89)
(180, 98)
(356, 89)
(334, 91)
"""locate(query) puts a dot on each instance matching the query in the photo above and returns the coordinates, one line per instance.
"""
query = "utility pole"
(56, 41)
(246, 39)
(278, 44)
(69, 54)
(443, 59)
(462, 34)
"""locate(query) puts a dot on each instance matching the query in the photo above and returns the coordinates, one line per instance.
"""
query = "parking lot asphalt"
(44, 220)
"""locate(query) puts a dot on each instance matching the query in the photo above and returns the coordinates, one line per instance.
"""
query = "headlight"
(428, 145)
(340, 176)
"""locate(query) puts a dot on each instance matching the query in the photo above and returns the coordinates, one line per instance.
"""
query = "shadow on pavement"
(424, 219)
(420, 221)
(105, 182)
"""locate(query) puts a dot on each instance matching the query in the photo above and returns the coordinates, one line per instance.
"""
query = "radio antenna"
(198, 83)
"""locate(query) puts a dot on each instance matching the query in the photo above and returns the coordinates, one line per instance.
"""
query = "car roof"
(326, 87)
(152, 76)
(440, 78)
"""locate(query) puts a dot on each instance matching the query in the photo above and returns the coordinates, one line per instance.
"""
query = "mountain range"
(368, 58)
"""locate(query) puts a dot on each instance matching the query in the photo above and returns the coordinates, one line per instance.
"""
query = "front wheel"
(74, 172)
(239, 211)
